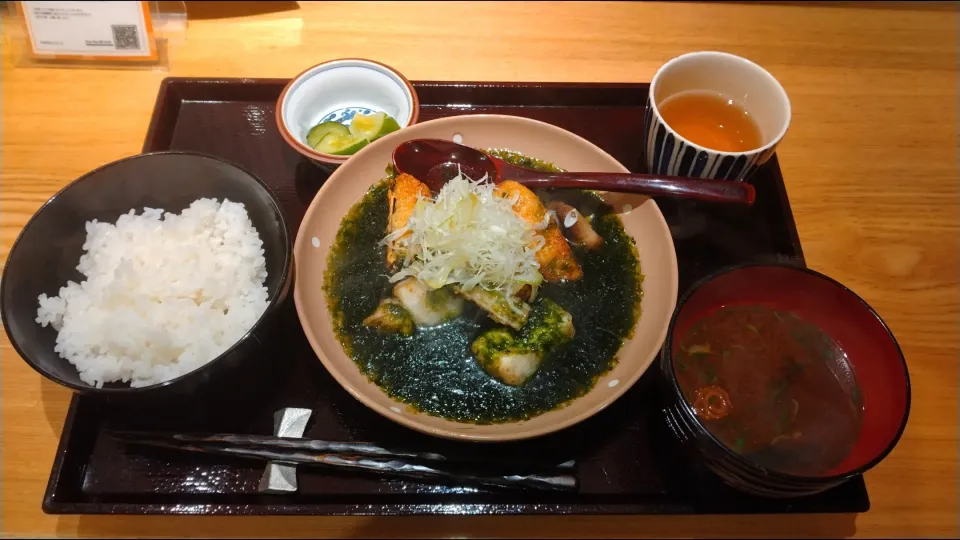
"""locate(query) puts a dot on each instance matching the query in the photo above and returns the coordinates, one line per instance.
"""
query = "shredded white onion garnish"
(470, 236)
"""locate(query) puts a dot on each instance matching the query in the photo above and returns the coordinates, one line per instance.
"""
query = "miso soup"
(771, 387)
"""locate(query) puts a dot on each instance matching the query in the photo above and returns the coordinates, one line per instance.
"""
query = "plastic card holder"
(125, 34)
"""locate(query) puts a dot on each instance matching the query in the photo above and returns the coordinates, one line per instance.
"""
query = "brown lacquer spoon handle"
(724, 191)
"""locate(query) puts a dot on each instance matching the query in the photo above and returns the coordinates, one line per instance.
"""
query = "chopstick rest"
(282, 477)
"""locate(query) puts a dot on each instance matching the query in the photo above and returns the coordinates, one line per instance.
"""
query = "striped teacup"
(759, 92)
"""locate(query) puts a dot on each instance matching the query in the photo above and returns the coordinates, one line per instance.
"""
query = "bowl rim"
(332, 158)
(272, 304)
(409, 421)
(737, 458)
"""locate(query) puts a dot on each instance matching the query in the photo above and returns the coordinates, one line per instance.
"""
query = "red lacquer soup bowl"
(725, 411)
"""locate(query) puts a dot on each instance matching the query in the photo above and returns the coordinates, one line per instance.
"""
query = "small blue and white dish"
(336, 91)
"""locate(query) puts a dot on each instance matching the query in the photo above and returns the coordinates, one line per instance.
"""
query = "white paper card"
(97, 29)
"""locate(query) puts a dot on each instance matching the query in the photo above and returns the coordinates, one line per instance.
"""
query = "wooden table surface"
(870, 163)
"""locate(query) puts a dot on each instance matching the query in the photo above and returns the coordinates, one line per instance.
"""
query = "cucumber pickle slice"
(319, 131)
(338, 139)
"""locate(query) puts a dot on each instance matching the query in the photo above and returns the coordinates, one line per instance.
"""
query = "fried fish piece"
(401, 200)
(556, 259)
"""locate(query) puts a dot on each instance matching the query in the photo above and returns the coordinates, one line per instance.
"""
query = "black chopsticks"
(366, 457)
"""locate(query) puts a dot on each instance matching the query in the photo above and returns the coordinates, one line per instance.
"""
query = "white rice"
(164, 293)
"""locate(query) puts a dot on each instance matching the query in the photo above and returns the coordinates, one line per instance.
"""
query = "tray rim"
(668, 505)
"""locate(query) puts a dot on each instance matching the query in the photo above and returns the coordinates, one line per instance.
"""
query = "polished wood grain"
(870, 163)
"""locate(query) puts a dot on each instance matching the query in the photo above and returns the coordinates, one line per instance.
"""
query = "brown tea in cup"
(712, 120)
(713, 115)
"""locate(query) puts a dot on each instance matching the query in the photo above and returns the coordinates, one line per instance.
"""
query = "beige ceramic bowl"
(347, 185)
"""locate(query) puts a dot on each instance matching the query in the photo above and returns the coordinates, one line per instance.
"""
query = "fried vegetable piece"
(401, 200)
(391, 317)
(513, 359)
(501, 355)
(428, 307)
(575, 226)
(506, 311)
(549, 327)
(556, 259)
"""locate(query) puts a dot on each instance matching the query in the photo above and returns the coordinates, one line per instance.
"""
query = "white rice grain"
(164, 293)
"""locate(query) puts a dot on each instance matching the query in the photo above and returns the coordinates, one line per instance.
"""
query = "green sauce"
(434, 370)
(520, 160)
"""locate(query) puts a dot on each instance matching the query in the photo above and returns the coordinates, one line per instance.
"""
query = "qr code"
(125, 37)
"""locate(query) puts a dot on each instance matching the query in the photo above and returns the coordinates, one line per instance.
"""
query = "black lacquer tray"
(627, 461)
